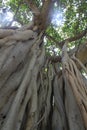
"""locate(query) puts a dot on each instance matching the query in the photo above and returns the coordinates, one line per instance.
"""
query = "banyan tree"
(43, 67)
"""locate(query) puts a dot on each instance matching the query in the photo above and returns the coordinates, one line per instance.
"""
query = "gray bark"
(32, 96)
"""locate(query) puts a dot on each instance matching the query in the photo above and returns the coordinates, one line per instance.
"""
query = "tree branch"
(71, 39)
(77, 37)
(47, 10)
(43, 19)
(33, 7)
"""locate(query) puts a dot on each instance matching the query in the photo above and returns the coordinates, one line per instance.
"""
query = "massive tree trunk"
(34, 93)
(33, 96)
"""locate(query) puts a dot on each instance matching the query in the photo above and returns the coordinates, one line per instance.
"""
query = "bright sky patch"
(58, 18)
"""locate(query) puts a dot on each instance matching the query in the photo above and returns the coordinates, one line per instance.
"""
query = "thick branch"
(47, 10)
(77, 37)
(71, 39)
(33, 7)
(42, 19)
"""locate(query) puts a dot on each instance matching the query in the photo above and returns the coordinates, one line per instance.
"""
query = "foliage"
(74, 13)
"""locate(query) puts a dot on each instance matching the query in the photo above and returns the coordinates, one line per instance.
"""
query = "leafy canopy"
(68, 19)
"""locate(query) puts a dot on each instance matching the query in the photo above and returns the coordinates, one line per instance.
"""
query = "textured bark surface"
(32, 95)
